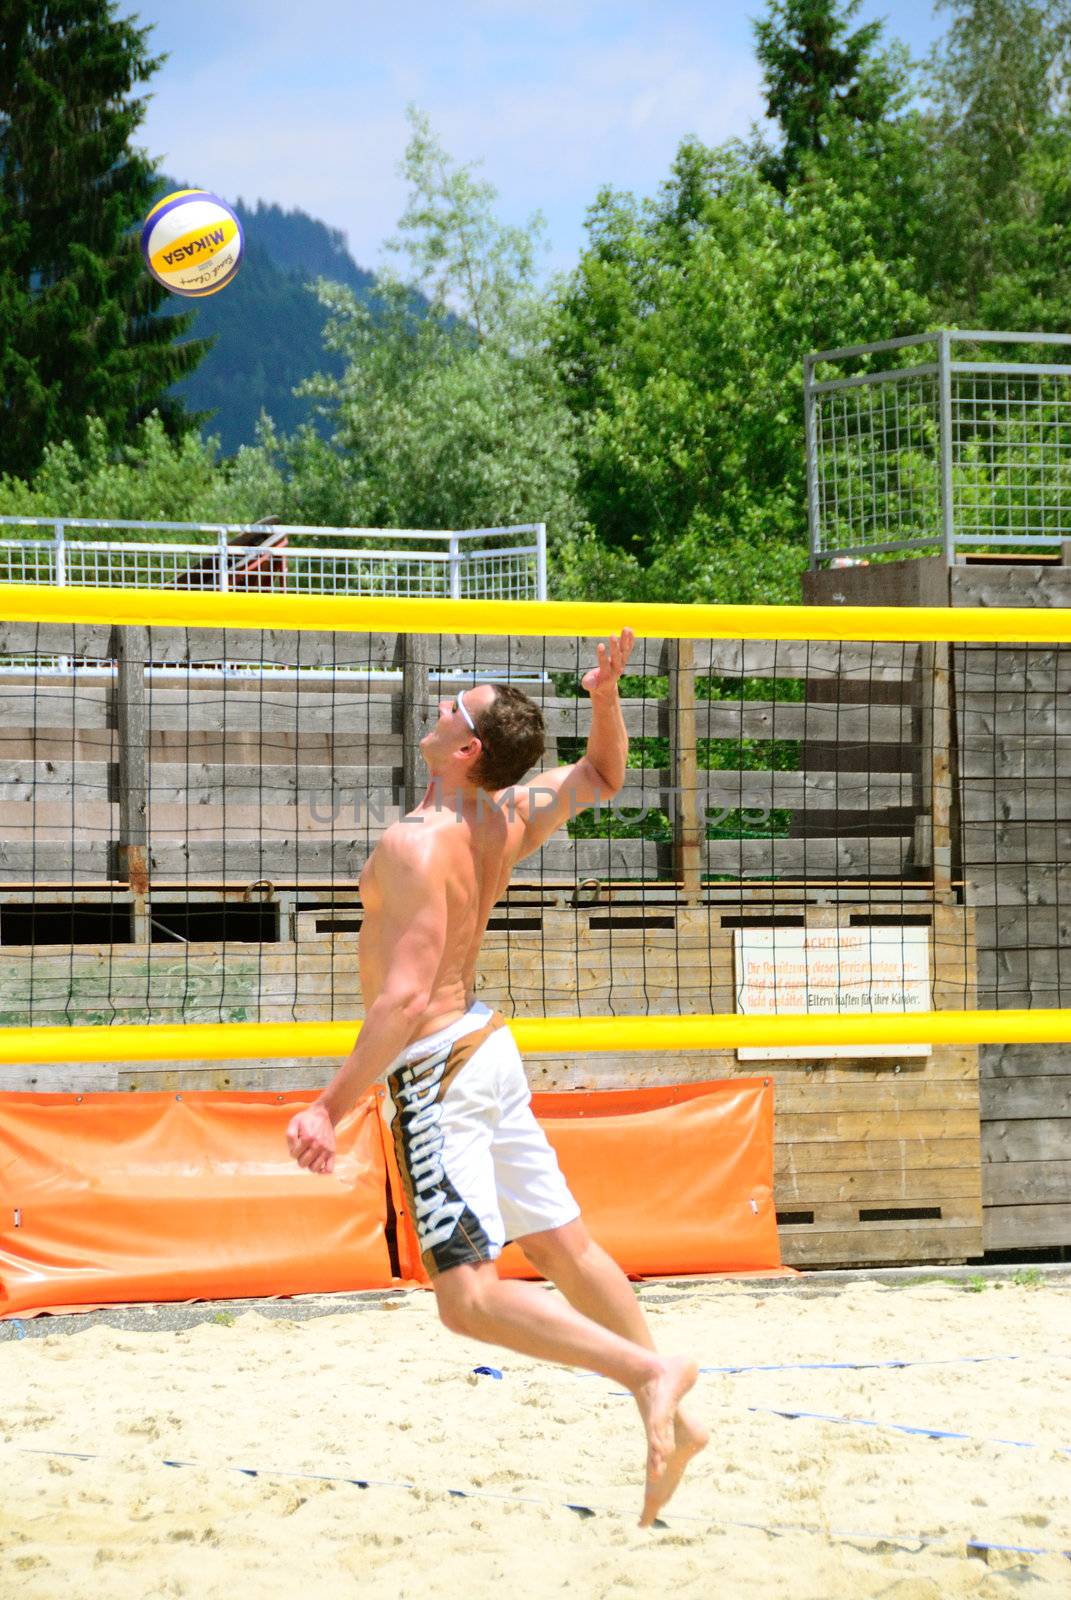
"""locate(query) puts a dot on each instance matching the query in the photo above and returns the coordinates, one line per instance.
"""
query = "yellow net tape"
(533, 618)
(239, 1041)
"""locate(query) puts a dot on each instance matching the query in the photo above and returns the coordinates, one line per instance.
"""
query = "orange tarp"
(114, 1198)
(164, 1197)
(669, 1180)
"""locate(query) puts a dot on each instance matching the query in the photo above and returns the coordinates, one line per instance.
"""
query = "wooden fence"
(1012, 864)
(131, 791)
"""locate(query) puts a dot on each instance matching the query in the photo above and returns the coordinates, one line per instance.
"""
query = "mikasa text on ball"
(192, 243)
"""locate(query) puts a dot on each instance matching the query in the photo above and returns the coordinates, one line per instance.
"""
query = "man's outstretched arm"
(554, 797)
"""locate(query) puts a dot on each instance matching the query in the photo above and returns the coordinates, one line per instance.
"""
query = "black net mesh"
(186, 813)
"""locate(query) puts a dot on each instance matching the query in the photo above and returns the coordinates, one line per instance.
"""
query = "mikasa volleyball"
(192, 243)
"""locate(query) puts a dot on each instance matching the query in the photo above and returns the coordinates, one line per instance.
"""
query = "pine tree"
(79, 333)
(813, 68)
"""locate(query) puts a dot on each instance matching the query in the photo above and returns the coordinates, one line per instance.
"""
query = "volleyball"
(192, 243)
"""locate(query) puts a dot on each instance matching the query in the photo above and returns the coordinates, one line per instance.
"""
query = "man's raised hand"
(613, 659)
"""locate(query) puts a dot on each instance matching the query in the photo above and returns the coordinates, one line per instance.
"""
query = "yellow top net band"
(532, 618)
(264, 1041)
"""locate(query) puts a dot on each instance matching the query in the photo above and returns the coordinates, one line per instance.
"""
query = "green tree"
(154, 478)
(78, 330)
(998, 83)
(449, 413)
(1030, 285)
(682, 334)
(816, 71)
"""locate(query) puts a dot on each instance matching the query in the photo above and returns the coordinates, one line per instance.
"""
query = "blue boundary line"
(870, 1366)
(911, 1544)
(901, 1427)
(894, 1365)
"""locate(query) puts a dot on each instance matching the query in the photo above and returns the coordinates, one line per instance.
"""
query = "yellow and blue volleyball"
(192, 243)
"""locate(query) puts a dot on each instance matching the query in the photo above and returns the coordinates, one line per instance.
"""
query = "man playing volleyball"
(477, 1168)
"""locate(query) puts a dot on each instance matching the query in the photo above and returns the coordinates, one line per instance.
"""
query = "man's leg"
(589, 1279)
(474, 1301)
(594, 1284)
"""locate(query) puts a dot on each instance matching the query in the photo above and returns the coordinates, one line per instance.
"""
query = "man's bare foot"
(658, 1401)
(690, 1437)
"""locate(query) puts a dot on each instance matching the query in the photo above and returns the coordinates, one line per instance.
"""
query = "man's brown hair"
(513, 736)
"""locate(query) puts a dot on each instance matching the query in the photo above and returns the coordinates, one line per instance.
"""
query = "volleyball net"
(840, 828)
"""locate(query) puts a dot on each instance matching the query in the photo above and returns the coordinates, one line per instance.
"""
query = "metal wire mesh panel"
(479, 564)
(1011, 457)
(877, 463)
(945, 455)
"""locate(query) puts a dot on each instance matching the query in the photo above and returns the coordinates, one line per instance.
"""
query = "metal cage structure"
(960, 451)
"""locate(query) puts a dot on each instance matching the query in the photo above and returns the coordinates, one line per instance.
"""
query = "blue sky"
(303, 102)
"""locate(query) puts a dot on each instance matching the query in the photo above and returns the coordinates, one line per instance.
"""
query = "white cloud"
(304, 104)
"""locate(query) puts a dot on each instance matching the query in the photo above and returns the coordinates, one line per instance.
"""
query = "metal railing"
(942, 456)
(474, 563)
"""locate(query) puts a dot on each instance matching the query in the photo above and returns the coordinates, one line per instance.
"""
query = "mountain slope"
(267, 324)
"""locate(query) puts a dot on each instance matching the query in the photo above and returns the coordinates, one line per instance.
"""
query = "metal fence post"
(224, 564)
(455, 567)
(812, 456)
(60, 558)
(944, 381)
(541, 561)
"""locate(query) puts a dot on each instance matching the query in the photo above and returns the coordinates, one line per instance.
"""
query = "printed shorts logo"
(416, 1097)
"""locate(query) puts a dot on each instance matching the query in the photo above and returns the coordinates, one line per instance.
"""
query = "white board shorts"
(476, 1166)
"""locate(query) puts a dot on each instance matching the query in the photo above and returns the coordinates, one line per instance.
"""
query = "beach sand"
(383, 1393)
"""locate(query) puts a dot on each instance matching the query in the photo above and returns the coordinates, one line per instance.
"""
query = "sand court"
(548, 1461)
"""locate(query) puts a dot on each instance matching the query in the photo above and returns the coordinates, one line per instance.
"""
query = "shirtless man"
(477, 1168)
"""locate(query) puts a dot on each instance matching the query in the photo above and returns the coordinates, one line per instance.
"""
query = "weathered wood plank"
(1022, 927)
(1005, 1098)
(822, 857)
(59, 1077)
(1018, 759)
(806, 658)
(41, 705)
(888, 1155)
(1016, 843)
(81, 640)
(22, 862)
(242, 709)
(817, 722)
(1013, 585)
(747, 658)
(805, 1127)
(343, 748)
(1023, 800)
(896, 1096)
(1010, 1183)
(280, 768)
(1033, 884)
(1033, 669)
(814, 1247)
(280, 857)
(1027, 1227)
(920, 1185)
(1030, 1140)
(1024, 1060)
